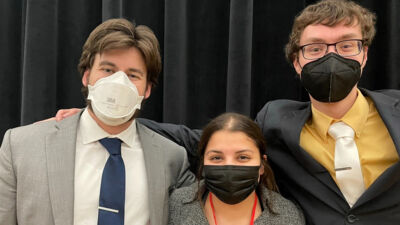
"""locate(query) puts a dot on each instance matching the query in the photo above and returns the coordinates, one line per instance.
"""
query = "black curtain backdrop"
(217, 55)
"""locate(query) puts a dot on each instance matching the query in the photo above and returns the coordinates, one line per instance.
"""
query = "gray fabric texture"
(37, 173)
(184, 211)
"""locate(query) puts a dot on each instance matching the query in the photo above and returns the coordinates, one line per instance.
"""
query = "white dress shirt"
(90, 160)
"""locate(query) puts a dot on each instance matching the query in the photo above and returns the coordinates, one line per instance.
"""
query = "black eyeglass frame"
(360, 44)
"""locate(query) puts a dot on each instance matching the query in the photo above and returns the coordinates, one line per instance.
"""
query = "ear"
(261, 170)
(296, 65)
(148, 91)
(365, 57)
(85, 77)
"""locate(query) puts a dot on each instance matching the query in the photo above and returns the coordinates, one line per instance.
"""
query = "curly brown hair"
(121, 33)
(330, 13)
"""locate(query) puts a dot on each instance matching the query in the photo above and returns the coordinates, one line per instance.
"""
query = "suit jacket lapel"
(155, 173)
(389, 110)
(60, 156)
(292, 124)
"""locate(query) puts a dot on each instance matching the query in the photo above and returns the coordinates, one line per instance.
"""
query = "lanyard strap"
(253, 212)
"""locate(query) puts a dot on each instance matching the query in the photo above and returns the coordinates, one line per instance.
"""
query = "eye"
(107, 70)
(133, 76)
(314, 49)
(215, 158)
(244, 158)
(347, 47)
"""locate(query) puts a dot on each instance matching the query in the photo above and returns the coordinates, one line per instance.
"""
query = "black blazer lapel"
(389, 110)
(292, 124)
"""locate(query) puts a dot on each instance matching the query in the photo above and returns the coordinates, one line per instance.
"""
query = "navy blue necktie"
(112, 190)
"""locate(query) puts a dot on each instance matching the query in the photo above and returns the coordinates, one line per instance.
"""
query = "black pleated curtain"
(218, 56)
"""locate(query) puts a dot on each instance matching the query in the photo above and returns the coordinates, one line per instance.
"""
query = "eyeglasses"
(343, 48)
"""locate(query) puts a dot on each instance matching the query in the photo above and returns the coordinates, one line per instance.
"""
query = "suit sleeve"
(261, 116)
(8, 184)
(179, 134)
(185, 177)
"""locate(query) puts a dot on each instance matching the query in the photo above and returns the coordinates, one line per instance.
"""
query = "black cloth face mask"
(231, 184)
(330, 78)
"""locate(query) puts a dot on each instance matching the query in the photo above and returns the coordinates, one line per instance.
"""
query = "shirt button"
(351, 218)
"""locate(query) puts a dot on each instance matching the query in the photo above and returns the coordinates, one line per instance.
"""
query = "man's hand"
(64, 113)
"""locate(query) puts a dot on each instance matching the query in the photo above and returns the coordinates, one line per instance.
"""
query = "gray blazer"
(37, 173)
(184, 211)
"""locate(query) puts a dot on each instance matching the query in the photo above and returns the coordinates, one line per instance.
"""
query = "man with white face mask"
(100, 166)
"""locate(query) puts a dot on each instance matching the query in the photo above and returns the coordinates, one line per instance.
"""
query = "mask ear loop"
(362, 62)
(298, 61)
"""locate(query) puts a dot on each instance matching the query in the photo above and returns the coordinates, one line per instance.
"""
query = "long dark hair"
(240, 123)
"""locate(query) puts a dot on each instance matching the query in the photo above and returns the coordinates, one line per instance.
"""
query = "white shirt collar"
(92, 132)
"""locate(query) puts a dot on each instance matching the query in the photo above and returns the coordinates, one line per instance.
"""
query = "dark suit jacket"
(302, 179)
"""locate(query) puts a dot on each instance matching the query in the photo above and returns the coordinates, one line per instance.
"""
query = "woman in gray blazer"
(235, 182)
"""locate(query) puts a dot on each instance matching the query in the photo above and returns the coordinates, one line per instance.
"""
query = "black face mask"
(330, 78)
(231, 184)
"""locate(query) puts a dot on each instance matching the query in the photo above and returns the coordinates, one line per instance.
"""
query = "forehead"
(230, 142)
(330, 34)
(123, 58)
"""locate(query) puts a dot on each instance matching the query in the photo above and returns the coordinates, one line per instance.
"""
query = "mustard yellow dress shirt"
(375, 146)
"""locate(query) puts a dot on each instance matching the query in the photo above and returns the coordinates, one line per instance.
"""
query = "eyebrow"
(343, 37)
(244, 150)
(213, 151)
(220, 152)
(108, 63)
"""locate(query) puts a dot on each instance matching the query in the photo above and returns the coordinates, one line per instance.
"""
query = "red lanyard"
(252, 213)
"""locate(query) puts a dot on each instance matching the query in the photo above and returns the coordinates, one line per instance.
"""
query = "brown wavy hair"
(237, 123)
(330, 13)
(119, 34)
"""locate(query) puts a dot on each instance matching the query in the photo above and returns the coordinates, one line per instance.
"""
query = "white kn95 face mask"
(114, 99)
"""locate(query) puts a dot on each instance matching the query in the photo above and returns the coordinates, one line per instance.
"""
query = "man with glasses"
(337, 156)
